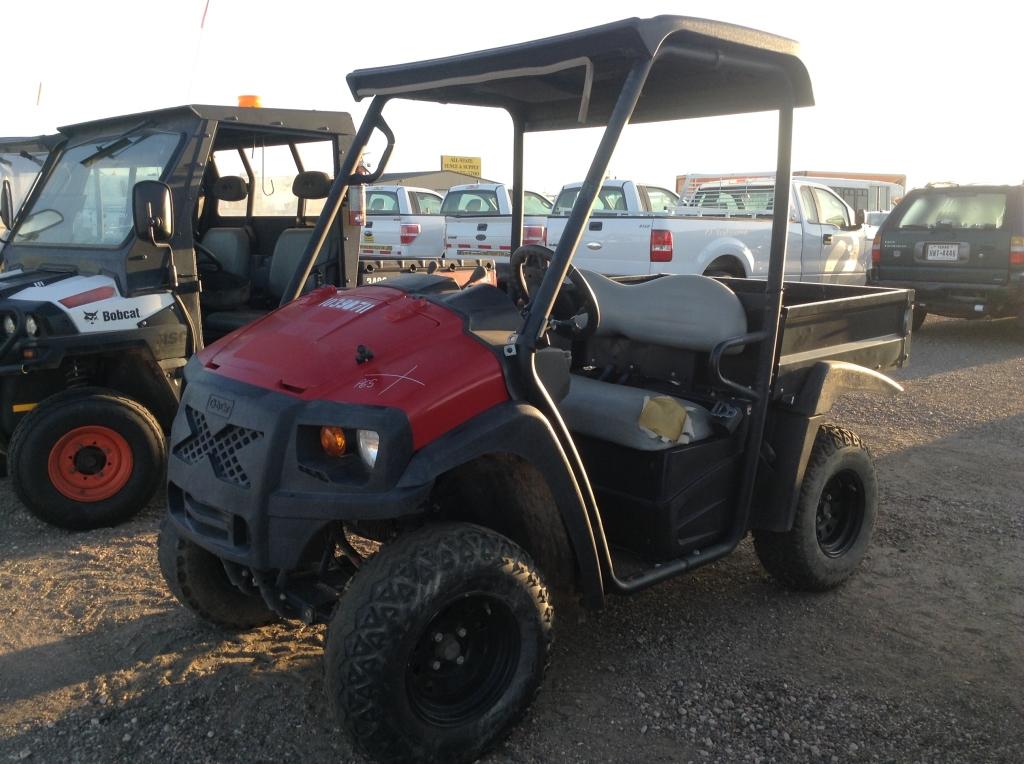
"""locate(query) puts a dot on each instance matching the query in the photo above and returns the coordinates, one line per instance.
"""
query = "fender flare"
(521, 430)
(826, 381)
(792, 430)
(727, 247)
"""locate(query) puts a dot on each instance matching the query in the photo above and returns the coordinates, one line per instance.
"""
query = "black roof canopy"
(269, 120)
(701, 68)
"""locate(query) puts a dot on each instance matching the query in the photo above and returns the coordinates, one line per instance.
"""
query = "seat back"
(230, 245)
(231, 248)
(291, 246)
(685, 312)
(292, 242)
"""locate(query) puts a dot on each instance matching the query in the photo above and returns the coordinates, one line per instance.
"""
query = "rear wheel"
(439, 645)
(198, 581)
(725, 267)
(87, 459)
(920, 314)
(834, 518)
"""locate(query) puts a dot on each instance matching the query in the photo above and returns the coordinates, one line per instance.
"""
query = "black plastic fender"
(828, 380)
(521, 430)
(790, 433)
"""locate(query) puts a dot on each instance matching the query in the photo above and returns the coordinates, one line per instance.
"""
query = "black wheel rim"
(464, 661)
(840, 513)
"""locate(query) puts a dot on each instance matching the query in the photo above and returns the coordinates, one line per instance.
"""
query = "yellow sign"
(465, 165)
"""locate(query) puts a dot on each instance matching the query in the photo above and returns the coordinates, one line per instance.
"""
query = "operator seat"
(288, 251)
(688, 313)
(232, 246)
(231, 287)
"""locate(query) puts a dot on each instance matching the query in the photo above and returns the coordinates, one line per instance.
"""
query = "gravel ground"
(919, 658)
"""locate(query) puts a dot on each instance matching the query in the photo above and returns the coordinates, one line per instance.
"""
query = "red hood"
(423, 361)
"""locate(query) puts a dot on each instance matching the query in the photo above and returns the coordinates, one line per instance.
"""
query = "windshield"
(610, 200)
(470, 202)
(956, 209)
(20, 169)
(87, 198)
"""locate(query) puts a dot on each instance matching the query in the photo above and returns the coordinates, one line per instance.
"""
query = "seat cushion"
(612, 412)
(227, 321)
(224, 291)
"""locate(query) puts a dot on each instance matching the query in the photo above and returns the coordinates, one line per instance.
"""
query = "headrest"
(230, 188)
(311, 184)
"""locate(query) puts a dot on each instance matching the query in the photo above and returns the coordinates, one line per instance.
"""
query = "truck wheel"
(439, 645)
(834, 516)
(198, 581)
(87, 459)
(920, 314)
(725, 267)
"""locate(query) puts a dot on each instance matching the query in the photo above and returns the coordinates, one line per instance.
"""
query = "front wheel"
(198, 581)
(86, 459)
(834, 518)
(439, 645)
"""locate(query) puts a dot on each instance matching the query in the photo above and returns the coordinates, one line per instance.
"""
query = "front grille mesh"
(222, 448)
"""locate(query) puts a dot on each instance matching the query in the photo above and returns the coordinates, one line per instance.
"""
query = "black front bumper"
(964, 300)
(248, 481)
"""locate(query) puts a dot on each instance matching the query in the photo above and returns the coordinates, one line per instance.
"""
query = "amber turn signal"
(332, 441)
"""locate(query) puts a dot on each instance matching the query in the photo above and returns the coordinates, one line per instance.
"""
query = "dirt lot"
(919, 658)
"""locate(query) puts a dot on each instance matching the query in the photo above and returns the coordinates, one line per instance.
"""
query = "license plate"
(943, 251)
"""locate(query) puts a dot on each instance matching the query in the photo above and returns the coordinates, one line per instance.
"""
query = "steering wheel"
(216, 266)
(529, 263)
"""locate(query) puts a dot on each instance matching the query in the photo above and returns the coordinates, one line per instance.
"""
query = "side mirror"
(859, 217)
(6, 204)
(153, 211)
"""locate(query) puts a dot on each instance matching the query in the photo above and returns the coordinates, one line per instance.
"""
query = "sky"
(925, 89)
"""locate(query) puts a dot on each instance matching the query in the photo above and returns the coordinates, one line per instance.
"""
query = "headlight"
(369, 443)
(9, 325)
(31, 326)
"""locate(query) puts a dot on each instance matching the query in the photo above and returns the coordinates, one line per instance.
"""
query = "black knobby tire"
(401, 693)
(920, 314)
(198, 581)
(835, 515)
(38, 437)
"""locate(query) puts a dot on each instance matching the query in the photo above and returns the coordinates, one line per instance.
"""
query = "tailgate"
(484, 236)
(951, 255)
(381, 235)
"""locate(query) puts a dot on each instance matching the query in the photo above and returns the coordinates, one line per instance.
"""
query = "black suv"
(961, 248)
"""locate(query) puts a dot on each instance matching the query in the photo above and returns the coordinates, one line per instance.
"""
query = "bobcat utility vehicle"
(581, 434)
(144, 237)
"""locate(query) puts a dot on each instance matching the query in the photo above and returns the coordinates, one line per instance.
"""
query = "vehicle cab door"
(842, 242)
(21, 162)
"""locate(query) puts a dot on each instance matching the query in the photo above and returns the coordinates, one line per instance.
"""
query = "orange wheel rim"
(90, 463)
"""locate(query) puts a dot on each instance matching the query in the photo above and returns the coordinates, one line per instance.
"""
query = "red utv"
(582, 433)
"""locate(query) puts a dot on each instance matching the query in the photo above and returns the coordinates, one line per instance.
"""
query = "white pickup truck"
(401, 221)
(725, 232)
(478, 220)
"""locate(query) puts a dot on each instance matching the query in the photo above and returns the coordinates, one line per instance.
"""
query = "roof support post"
(516, 192)
(772, 317)
(542, 303)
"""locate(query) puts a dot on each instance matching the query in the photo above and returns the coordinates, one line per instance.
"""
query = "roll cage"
(659, 69)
